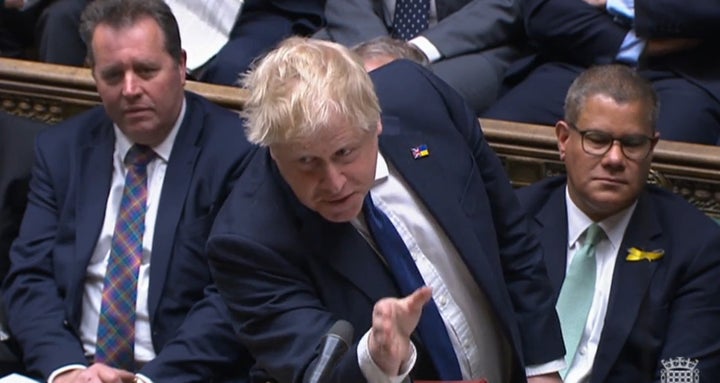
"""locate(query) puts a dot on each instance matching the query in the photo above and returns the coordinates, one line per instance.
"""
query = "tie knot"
(592, 234)
(139, 155)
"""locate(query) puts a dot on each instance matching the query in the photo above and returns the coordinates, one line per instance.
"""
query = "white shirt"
(421, 42)
(606, 252)
(92, 295)
(468, 317)
(205, 26)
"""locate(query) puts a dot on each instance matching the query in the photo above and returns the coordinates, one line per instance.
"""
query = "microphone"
(334, 344)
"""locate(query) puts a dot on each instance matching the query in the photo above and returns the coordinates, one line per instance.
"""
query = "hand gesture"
(393, 320)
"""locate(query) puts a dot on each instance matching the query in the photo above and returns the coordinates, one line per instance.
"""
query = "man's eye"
(596, 138)
(112, 77)
(633, 141)
(344, 152)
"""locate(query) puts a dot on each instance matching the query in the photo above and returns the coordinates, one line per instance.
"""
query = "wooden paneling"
(53, 92)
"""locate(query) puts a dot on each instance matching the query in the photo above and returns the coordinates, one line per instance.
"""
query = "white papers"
(205, 26)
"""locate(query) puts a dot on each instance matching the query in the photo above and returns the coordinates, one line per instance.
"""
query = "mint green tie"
(576, 294)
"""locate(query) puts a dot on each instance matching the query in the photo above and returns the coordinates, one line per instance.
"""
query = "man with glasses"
(635, 268)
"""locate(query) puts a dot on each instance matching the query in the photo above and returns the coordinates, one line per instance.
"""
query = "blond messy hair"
(305, 86)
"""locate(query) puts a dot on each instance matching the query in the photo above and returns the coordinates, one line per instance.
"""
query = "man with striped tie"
(108, 281)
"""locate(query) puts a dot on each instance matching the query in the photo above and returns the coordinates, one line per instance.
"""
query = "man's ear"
(379, 128)
(562, 132)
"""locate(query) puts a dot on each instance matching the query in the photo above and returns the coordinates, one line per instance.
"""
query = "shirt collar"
(381, 169)
(163, 150)
(613, 226)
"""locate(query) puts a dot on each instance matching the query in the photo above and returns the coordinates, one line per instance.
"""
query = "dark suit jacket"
(17, 136)
(574, 32)
(288, 275)
(478, 39)
(464, 26)
(68, 194)
(657, 310)
(261, 26)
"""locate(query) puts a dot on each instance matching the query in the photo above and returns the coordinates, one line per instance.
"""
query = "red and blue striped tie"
(116, 329)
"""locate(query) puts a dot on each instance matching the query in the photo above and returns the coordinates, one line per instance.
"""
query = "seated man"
(347, 214)
(17, 136)
(469, 43)
(672, 43)
(108, 276)
(635, 268)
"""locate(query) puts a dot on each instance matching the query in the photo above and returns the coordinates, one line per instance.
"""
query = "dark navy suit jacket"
(71, 179)
(261, 26)
(577, 33)
(657, 310)
(288, 275)
(17, 136)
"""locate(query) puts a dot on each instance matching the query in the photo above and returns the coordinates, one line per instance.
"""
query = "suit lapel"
(178, 177)
(425, 178)
(349, 254)
(629, 286)
(552, 217)
(95, 161)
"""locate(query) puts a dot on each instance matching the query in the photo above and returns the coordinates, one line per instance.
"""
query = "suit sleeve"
(204, 347)
(671, 19)
(36, 310)
(694, 308)
(520, 252)
(479, 25)
(351, 22)
(305, 16)
(275, 306)
(573, 31)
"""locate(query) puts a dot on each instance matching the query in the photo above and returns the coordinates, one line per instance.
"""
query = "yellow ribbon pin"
(635, 254)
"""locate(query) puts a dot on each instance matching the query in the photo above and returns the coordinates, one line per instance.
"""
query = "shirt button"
(443, 301)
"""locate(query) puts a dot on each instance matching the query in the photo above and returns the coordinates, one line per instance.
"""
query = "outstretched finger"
(418, 299)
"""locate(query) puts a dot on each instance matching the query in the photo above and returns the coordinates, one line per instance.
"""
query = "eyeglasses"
(597, 143)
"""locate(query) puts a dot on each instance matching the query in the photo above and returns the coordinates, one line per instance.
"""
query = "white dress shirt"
(468, 317)
(92, 296)
(205, 26)
(606, 252)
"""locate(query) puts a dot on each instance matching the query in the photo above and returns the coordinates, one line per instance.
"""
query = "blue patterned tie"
(116, 328)
(411, 18)
(431, 328)
(576, 293)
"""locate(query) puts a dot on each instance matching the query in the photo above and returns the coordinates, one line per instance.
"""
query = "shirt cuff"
(372, 372)
(622, 10)
(67, 368)
(140, 378)
(631, 49)
(427, 48)
(545, 368)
